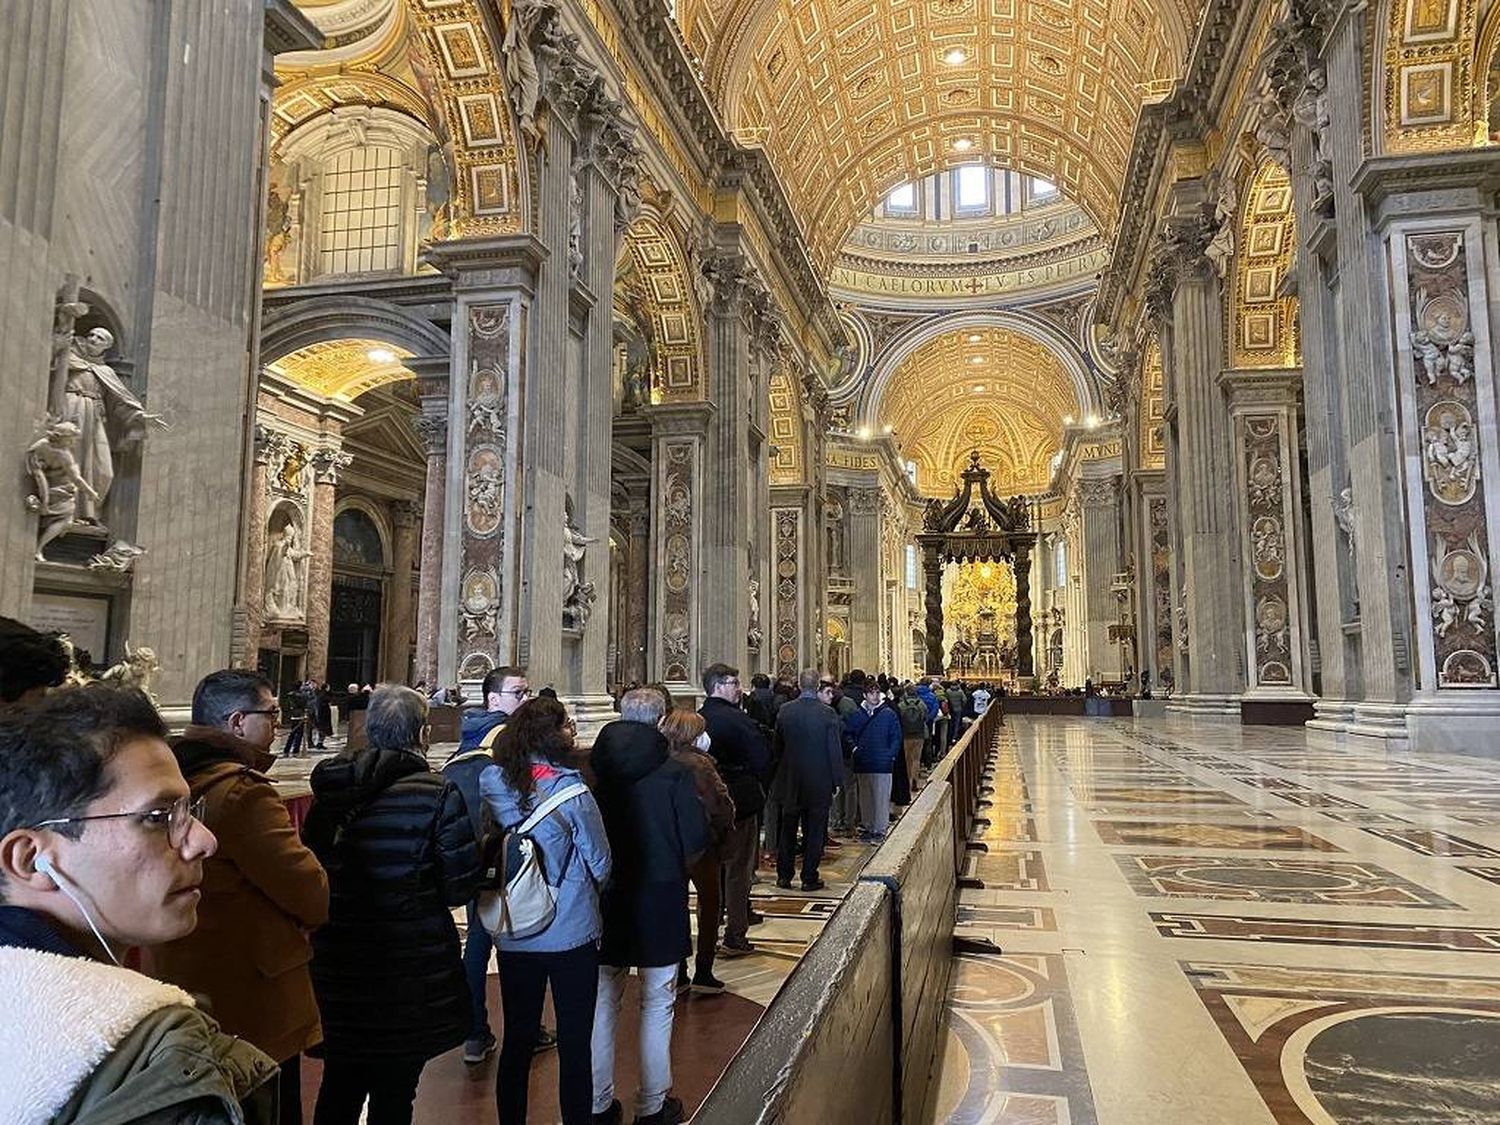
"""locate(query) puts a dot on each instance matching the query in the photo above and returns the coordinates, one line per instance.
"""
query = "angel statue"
(56, 481)
(575, 543)
(136, 671)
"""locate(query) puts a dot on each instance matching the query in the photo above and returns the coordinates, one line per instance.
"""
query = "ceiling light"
(864, 433)
(975, 337)
(1067, 419)
(963, 144)
(380, 355)
(979, 388)
(890, 429)
(1092, 422)
(955, 56)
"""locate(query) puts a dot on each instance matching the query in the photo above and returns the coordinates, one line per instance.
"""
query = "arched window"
(362, 211)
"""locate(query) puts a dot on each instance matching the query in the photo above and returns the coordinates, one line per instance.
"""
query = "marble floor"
(1206, 923)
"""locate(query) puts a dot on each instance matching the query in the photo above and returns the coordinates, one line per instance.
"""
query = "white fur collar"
(63, 1017)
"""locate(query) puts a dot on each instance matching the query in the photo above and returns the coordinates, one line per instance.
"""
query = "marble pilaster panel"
(482, 584)
(792, 599)
(1098, 505)
(678, 437)
(252, 589)
(1268, 495)
(862, 550)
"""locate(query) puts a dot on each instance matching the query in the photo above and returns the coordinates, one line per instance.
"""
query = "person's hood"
(625, 752)
(547, 778)
(201, 746)
(479, 722)
(67, 1015)
(342, 783)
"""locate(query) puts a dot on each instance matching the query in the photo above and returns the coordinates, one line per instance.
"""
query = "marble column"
(1434, 215)
(1268, 499)
(398, 631)
(678, 437)
(1098, 504)
(862, 549)
(793, 597)
(479, 622)
(1191, 315)
(432, 427)
(326, 463)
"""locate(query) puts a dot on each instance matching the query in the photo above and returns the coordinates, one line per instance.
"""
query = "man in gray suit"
(809, 770)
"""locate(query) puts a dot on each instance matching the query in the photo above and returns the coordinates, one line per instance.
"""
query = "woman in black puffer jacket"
(399, 849)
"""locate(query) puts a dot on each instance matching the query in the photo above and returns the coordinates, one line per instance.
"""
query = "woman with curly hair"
(533, 761)
(687, 735)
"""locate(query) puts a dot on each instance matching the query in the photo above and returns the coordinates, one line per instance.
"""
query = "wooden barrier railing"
(868, 997)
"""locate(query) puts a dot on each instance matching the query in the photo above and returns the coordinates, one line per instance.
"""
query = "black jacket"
(399, 849)
(738, 746)
(657, 826)
(809, 754)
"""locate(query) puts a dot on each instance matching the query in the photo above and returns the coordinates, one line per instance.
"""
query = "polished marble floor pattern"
(1207, 923)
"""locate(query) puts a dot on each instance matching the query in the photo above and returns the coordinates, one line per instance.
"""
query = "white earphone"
(45, 866)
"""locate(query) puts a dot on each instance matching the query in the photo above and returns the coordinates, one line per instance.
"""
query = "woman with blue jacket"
(533, 760)
(875, 730)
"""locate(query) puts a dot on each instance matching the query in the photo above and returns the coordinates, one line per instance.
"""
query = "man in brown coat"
(262, 891)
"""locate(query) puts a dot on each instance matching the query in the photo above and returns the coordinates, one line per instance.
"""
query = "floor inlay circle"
(1281, 878)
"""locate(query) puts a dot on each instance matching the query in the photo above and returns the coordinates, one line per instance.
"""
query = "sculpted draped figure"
(283, 586)
(575, 544)
(99, 404)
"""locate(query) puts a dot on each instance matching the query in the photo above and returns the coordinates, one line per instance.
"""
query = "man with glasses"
(810, 769)
(504, 690)
(262, 891)
(738, 746)
(100, 851)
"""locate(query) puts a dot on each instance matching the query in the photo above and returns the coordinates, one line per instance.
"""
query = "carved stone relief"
(1265, 469)
(788, 549)
(1445, 395)
(484, 487)
(679, 500)
(1161, 587)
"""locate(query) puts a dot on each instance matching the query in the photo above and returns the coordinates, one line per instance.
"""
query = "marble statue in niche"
(1345, 515)
(1220, 250)
(284, 587)
(755, 636)
(108, 417)
(575, 224)
(575, 546)
(56, 482)
(523, 78)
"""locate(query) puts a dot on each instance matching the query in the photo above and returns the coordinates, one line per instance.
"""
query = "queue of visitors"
(257, 943)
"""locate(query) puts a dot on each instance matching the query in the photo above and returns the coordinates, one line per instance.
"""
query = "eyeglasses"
(177, 818)
(274, 712)
(519, 692)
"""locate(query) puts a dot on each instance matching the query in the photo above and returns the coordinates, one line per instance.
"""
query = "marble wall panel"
(485, 487)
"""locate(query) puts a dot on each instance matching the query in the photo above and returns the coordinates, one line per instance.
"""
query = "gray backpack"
(520, 902)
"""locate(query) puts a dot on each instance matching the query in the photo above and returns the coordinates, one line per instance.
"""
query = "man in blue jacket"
(875, 730)
(930, 701)
(504, 690)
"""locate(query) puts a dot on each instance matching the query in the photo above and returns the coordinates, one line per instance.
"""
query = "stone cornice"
(1189, 113)
(287, 29)
(500, 260)
(1381, 177)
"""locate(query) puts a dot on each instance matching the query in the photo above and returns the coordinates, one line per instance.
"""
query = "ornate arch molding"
(1043, 332)
(653, 275)
(1263, 325)
(1430, 60)
(316, 320)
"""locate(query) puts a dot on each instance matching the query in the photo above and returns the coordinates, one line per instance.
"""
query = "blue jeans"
(477, 949)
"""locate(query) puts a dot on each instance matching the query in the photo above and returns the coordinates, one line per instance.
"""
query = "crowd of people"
(164, 880)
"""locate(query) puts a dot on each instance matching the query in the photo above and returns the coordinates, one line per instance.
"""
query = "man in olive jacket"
(100, 851)
(262, 891)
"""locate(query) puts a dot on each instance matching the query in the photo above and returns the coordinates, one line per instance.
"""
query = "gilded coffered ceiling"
(344, 369)
(851, 99)
(989, 389)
